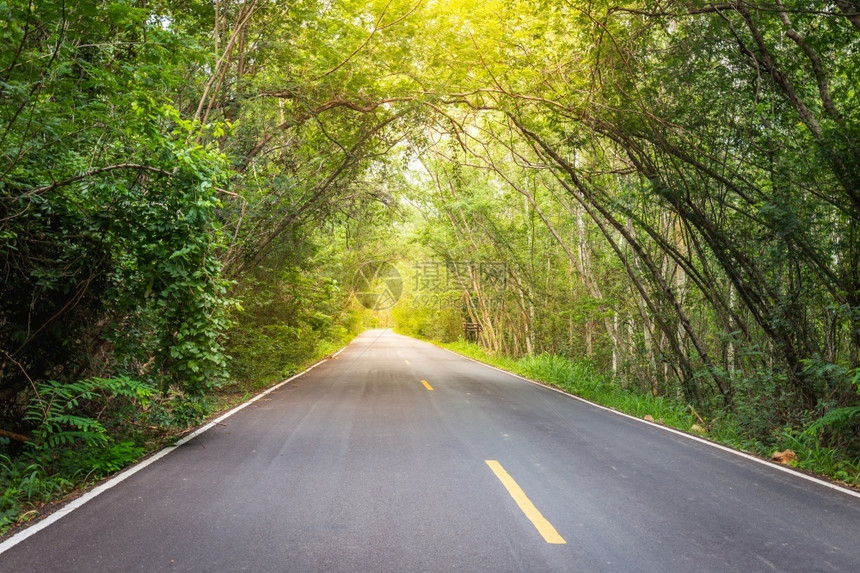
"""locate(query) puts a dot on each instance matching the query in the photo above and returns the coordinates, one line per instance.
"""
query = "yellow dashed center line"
(543, 526)
(427, 384)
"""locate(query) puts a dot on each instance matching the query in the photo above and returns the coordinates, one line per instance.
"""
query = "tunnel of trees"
(665, 190)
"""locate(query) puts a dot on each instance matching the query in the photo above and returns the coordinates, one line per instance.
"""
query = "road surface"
(399, 456)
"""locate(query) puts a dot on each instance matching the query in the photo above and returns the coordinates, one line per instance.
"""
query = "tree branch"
(90, 173)
(815, 61)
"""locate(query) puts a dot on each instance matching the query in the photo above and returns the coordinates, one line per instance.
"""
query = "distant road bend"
(399, 456)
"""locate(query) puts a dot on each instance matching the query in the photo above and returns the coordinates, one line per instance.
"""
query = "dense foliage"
(671, 186)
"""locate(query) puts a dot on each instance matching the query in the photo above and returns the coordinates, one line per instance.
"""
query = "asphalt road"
(358, 465)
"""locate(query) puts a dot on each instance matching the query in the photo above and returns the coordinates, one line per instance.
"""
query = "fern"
(835, 419)
(113, 457)
(55, 409)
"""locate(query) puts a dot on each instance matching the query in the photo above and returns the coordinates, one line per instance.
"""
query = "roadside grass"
(580, 378)
(31, 481)
(36, 475)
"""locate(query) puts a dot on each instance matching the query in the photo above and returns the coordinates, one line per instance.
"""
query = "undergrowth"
(580, 378)
(86, 430)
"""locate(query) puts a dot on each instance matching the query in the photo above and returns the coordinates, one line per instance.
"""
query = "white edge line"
(78, 502)
(750, 457)
(333, 355)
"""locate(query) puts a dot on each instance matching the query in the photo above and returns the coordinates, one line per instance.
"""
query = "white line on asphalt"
(750, 457)
(75, 504)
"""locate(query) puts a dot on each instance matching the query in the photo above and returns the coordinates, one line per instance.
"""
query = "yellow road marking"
(427, 384)
(408, 363)
(543, 526)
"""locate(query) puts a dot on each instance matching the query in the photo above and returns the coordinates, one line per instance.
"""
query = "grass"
(581, 379)
(28, 483)
(33, 479)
